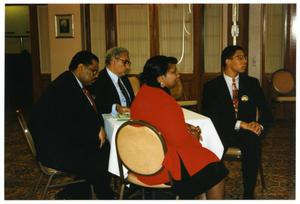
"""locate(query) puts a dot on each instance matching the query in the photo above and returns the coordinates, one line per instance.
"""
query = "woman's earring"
(162, 85)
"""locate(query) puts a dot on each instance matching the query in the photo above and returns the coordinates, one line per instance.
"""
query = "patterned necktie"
(87, 93)
(235, 99)
(124, 92)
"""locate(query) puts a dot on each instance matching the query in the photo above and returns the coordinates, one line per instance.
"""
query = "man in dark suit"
(231, 101)
(67, 130)
(112, 89)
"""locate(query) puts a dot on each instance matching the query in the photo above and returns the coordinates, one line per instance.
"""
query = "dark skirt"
(190, 186)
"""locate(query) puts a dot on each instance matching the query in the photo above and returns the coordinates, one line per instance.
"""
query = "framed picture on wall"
(64, 26)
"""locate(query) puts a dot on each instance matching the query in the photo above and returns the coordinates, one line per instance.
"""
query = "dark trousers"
(95, 170)
(250, 145)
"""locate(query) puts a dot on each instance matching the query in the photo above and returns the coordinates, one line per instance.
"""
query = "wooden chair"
(178, 93)
(135, 84)
(141, 149)
(51, 173)
(283, 84)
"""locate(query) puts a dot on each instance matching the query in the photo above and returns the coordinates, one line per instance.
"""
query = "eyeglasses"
(241, 57)
(93, 71)
(125, 62)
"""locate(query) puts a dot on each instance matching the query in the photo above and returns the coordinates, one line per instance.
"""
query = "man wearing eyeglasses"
(112, 89)
(231, 101)
(68, 130)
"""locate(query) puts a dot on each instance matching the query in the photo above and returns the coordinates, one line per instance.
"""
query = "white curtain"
(133, 34)
(274, 57)
(212, 37)
(172, 41)
(97, 23)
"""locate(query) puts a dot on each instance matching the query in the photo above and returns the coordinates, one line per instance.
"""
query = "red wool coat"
(156, 107)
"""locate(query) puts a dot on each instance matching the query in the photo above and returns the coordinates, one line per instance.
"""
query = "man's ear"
(80, 67)
(227, 61)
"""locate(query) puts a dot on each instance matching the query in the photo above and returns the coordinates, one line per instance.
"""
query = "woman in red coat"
(195, 169)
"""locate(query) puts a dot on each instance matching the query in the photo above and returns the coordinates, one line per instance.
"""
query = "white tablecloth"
(209, 134)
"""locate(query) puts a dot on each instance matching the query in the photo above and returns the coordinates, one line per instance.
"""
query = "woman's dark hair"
(228, 52)
(155, 66)
(83, 57)
(172, 60)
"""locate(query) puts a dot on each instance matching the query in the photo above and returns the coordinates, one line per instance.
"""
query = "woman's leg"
(216, 192)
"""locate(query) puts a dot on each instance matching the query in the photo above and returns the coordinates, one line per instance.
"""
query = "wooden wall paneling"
(290, 53)
(85, 27)
(35, 52)
(110, 25)
(243, 23)
(154, 29)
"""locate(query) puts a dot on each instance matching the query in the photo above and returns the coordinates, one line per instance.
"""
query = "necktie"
(235, 99)
(87, 93)
(124, 92)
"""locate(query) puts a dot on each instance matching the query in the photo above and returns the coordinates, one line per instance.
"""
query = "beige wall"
(255, 41)
(17, 28)
(63, 49)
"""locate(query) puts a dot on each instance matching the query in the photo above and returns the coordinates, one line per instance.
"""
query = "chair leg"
(46, 187)
(94, 197)
(122, 191)
(34, 188)
(143, 193)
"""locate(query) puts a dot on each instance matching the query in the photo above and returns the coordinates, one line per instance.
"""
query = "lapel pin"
(244, 98)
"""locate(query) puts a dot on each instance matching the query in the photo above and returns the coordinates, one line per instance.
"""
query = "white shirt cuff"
(114, 111)
(237, 125)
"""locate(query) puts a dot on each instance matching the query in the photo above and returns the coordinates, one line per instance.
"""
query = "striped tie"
(124, 92)
(87, 93)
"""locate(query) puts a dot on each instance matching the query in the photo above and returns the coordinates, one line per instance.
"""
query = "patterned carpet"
(21, 171)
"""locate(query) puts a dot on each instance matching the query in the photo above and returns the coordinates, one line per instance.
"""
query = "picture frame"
(64, 26)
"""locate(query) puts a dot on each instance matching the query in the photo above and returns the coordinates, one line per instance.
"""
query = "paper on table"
(123, 117)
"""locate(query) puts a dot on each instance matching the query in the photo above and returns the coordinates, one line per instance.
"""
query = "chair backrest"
(26, 132)
(283, 82)
(140, 147)
(177, 91)
(135, 84)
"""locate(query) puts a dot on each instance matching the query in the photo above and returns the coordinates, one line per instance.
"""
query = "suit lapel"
(242, 92)
(111, 86)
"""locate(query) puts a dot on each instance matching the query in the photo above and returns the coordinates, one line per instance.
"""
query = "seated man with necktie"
(68, 131)
(231, 101)
(112, 89)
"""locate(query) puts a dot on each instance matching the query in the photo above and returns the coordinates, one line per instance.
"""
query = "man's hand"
(252, 126)
(102, 137)
(194, 131)
(122, 109)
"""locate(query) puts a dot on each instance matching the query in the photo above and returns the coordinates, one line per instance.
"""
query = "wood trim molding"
(110, 25)
(154, 29)
(35, 52)
(86, 26)
(290, 38)
(243, 24)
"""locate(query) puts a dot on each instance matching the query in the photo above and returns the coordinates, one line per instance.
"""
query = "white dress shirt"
(114, 79)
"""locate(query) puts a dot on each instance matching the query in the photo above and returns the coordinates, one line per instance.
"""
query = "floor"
(21, 170)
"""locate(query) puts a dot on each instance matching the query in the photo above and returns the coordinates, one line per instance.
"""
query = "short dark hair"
(83, 57)
(155, 66)
(172, 60)
(228, 52)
